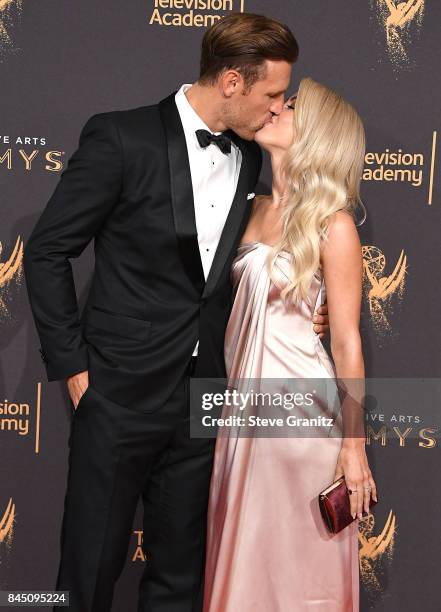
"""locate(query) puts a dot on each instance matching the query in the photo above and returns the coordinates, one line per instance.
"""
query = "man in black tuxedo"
(164, 192)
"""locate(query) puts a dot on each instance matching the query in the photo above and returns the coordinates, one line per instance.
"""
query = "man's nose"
(277, 106)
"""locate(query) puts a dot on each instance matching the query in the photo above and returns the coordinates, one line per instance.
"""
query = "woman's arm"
(343, 273)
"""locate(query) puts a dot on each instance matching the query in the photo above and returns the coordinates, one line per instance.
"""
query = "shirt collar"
(189, 117)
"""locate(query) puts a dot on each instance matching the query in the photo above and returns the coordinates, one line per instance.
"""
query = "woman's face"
(279, 132)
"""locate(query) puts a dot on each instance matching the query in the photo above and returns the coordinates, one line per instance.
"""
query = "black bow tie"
(206, 138)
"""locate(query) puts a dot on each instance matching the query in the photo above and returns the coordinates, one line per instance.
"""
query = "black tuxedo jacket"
(128, 186)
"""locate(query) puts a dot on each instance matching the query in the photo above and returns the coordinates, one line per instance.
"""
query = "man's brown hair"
(243, 42)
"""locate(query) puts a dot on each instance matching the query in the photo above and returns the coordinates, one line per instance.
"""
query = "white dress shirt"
(214, 177)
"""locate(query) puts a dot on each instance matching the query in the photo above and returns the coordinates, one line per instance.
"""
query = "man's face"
(246, 112)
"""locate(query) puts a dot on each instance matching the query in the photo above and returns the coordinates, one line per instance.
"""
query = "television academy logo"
(401, 166)
(400, 21)
(20, 420)
(192, 13)
(375, 550)
(379, 287)
(11, 272)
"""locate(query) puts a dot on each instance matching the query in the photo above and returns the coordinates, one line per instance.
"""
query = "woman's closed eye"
(290, 103)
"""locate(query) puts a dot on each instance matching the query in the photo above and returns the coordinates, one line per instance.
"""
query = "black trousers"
(116, 456)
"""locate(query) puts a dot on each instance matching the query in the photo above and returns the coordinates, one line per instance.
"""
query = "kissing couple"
(196, 277)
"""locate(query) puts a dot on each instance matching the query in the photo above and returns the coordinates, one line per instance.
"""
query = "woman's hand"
(352, 463)
(321, 321)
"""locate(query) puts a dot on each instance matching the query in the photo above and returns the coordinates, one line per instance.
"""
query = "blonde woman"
(267, 548)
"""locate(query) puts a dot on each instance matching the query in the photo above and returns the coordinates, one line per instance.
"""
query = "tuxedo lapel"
(182, 192)
(233, 223)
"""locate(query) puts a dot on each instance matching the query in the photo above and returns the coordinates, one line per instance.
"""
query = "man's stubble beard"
(235, 118)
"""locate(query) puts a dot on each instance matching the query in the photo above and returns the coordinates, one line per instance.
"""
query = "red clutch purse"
(335, 506)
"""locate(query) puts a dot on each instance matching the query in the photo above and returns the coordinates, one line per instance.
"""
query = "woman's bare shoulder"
(342, 225)
(343, 241)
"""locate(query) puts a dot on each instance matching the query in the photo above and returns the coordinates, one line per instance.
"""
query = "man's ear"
(231, 83)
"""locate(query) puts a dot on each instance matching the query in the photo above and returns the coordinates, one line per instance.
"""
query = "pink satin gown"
(267, 547)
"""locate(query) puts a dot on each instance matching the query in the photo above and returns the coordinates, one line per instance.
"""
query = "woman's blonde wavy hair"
(323, 170)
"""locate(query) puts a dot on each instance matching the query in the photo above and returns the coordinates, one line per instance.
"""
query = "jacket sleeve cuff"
(73, 363)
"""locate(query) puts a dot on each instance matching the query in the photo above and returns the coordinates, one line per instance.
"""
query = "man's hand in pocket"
(77, 385)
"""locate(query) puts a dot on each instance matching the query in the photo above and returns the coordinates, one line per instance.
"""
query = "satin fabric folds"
(267, 547)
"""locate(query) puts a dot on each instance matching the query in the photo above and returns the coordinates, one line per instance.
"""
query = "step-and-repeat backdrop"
(61, 62)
